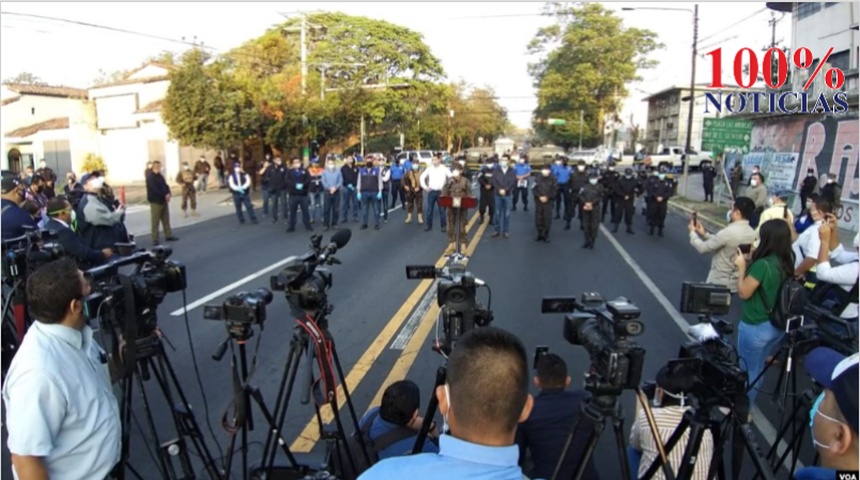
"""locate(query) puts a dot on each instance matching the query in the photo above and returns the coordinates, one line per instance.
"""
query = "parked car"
(425, 156)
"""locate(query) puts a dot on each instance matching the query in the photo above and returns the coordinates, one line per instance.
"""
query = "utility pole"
(304, 47)
(581, 119)
(322, 82)
(687, 146)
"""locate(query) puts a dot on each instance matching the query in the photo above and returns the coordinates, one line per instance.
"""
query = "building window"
(32, 110)
(829, 4)
(805, 9)
(840, 60)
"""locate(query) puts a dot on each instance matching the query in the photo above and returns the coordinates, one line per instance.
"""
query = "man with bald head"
(485, 398)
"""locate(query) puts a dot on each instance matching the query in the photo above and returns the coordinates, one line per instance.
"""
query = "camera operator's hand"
(107, 252)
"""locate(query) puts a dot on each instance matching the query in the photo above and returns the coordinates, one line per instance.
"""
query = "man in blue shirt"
(14, 218)
(545, 432)
(485, 397)
(562, 171)
(398, 412)
(398, 170)
(524, 172)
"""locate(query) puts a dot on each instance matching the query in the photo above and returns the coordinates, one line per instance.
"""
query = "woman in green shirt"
(758, 286)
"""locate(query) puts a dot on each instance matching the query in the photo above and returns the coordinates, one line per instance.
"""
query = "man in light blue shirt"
(398, 412)
(485, 398)
(62, 416)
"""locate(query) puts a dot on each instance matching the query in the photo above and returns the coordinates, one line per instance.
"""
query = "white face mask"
(503, 164)
(456, 173)
(522, 161)
(754, 182)
(830, 180)
(592, 181)
(74, 216)
(611, 169)
(98, 183)
(770, 202)
(237, 169)
(187, 167)
(558, 162)
(545, 172)
(661, 176)
(331, 166)
(415, 167)
(729, 216)
(581, 168)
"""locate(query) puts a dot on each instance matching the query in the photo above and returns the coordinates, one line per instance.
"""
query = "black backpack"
(340, 460)
(832, 297)
(791, 300)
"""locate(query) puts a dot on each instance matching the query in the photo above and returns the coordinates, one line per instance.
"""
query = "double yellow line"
(310, 434)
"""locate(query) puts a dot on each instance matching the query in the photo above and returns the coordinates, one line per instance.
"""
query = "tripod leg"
(673, 440)
(749, 441)
(691, 452)
(258, 399)
(349, 403)
(282, 404)
(618, 426)
(151, 423)
(441, 378)
(567, 443)
(589, 449)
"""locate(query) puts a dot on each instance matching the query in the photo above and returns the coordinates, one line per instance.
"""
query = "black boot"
(660, 232)
(630, 230)
(586, 244)
(614, 228)
(651, 231)
(567, 225)
(481, 220)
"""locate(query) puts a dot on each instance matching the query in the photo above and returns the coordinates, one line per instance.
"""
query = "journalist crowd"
(63, 419)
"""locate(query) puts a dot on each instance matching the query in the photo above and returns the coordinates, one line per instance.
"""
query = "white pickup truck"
(674, 157)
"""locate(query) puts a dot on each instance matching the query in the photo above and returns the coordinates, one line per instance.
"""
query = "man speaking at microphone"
(457, 186)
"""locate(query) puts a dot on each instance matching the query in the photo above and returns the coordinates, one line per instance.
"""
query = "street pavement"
(382, 328)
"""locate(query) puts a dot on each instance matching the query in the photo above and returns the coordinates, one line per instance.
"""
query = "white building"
(44, 122)
(130, 129)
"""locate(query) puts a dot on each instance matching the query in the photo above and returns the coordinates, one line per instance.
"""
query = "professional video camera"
(120, 298)
(603, 328)
(24, 254)
(820, 327)
(457, 296)
(302, 279)
(244, 307)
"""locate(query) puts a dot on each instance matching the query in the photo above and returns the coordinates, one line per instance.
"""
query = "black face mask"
(369, 165)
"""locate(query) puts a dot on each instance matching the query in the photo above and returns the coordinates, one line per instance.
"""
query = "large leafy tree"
(588, 58)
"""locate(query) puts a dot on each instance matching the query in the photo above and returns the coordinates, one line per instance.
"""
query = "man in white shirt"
(433, 179)
(61, 414)
(807, 244)
(844, 269)
(240, 184)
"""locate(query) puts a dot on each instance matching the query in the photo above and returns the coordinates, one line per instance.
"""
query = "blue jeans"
(279, 197)
(267, 196)
(503, 214)
(755, 344)
(348, 200)
(370, 201)
(432, 202)
(243, 199)
(316, 200)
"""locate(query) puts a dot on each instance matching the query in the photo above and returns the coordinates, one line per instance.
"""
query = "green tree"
(26, 77)
(588, 58)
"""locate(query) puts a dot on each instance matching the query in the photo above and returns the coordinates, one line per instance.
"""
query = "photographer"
(99, 223)
(670, 401)
(837, 283)
(724, 244)
(833, 417)
(61, 217)
(15, 220)
(758, 287)
(486, 396)
(62, 416)
(395, 423)
(555, 410)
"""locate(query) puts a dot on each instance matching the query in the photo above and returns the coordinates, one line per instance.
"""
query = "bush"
(93, 162)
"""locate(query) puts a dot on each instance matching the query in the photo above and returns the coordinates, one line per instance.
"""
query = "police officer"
(577, 181)
(589, 213)
(709, 173)
(49, 178)
(457, 186)
(807, 187)
(660, 192)
(562, 171)
(832, 191)
(524, 172)
(545, 191)
(298, 183)
(626, 190)
(648, 185)
(14, 219)
(370, 186)
(398, 171)
(609, 181)
(485, 181)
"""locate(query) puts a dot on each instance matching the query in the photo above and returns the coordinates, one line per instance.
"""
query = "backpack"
(791, 300)
(832, 297)
(340, 460)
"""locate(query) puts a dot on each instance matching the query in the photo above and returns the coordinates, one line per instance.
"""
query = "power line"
(732, 25)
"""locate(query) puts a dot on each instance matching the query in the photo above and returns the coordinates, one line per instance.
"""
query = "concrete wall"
(825, 28)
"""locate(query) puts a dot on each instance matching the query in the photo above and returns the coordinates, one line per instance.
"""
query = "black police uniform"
(544, 187)
(577, 181)
(709, 173)
(590, 195)
(648, 184)
(832, 192)
(626, 190)
(609, 181)
(807, 188)
(487, 197)
(298, 182)
(660, 192)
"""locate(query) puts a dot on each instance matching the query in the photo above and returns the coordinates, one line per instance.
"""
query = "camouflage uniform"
(457, 187)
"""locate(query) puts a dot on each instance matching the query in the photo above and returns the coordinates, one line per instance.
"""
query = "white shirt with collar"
(60, 405)
(435, 177)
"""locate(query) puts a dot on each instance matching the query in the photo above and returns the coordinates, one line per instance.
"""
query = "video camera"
(22, 255)
(457, 296)
(819, 327)
(304, 282)
(121, 298)
(244, 307)
(603, 328)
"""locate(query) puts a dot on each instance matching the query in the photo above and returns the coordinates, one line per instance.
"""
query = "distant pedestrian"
(264, 185)
(370, 192)
(433, 179)
(737, 176)
(240, 184)
(524, 172)
(398, 171)
(457, 186)
(49, 178)
(628, 188)
(219, 171)
(757, 192)
(807, 187)
(158, 195)
(187, 181)
(202, 169)
(659, 193)
(276, 178)
(709, 173)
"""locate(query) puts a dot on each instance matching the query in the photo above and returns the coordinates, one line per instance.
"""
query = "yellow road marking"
(418, 341)
(310, 434)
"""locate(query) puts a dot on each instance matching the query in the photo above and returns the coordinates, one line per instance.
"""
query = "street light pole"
(688, 147)
(581, 119)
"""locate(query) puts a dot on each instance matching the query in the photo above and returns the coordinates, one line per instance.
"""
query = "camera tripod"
(145, 359)
(243, 392)
(432, 406)
(313, 341)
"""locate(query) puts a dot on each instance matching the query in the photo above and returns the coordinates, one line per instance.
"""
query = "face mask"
(445, 417)
(330, 166)
(592, 181)
(769, 202)
(813, 412)
(661, 176)
(810, 174)
(368, 165)
(829, 180)
(581, 168)
(808, 205)
(729, 216)
(545, 172)
(558, 162)
(628, 175)
(611, 169)
(522, 161)
(237, 169)
(754, 182)
(98, 183)
(187, 167)
(415, 167)
(456, 173)
(503, 164)
(462, 162)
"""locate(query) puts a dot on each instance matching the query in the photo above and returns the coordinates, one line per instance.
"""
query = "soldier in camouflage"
(458, 186)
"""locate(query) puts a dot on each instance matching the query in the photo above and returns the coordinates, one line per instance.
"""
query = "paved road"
(379, 338)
